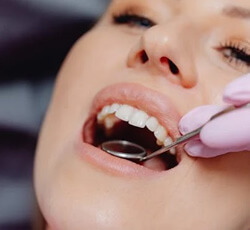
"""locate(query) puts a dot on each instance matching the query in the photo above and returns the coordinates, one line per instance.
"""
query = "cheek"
(94, 60)
(92, 64)
(212, 80)
(79, 79)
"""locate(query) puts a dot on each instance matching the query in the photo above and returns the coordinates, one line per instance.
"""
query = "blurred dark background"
(35, 37)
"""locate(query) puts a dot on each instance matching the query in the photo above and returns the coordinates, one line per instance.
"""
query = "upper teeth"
(136, 118)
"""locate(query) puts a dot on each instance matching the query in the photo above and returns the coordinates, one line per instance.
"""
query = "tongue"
(156, 164)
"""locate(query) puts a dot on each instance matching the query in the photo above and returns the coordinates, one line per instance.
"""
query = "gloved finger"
(230, 130)
(196, 148)
(238, 91)
(197, 117)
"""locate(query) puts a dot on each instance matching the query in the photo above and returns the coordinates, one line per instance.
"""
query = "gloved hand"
(228, 133)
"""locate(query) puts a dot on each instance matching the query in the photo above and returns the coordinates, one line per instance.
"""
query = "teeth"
(106, 110)
(169, 141)
(138, 118)
(124, 112)
(158, 142)
(109, 122)
(160, 133)
(103, 113)
(152, 124)
(114, 108)
(172, 151)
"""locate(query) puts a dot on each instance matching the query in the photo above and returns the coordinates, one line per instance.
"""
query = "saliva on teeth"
(135, 117)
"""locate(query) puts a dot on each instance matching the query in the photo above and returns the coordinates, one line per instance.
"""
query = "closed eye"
(133, 20)
(236, 53)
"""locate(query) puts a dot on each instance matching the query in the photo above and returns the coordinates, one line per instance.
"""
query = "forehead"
(195, 4)
(239, 9)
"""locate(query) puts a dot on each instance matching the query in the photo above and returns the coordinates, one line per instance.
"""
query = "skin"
(208, 194)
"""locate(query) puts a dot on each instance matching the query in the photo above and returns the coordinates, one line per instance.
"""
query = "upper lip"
(151, 101)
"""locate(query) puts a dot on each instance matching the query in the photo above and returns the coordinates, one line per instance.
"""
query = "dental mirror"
(131, 151)
(124, 149)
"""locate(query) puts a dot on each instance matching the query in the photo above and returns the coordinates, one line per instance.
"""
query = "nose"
(167, 51)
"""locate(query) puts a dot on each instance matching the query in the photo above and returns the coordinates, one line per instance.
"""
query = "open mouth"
(125, 121)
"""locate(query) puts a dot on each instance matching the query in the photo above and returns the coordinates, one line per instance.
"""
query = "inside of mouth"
(123, 131)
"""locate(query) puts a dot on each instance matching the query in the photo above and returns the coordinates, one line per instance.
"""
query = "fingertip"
(197, 149)
(194, 148)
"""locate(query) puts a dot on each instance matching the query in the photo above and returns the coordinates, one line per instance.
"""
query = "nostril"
(143, 56)
(173, 68)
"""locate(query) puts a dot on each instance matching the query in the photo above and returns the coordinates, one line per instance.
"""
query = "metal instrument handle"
(185, 138)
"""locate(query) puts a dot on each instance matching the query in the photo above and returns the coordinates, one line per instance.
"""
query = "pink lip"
(148, 100)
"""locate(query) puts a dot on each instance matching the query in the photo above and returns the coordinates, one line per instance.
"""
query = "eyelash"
(235, 53)
(133, 20)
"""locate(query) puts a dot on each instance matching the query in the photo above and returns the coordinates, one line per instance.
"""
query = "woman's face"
(162, 57)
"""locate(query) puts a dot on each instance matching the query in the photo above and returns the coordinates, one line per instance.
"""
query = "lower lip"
(112, 164)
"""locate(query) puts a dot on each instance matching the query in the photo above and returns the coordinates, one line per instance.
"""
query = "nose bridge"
(172, 34)
(172, 41)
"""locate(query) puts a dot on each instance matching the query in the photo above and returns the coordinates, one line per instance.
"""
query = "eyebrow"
(236, 12)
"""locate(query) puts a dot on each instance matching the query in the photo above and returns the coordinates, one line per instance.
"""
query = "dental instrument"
(131, 151)
(124, 149)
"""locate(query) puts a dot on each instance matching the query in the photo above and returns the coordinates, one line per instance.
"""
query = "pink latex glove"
(227, 133)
